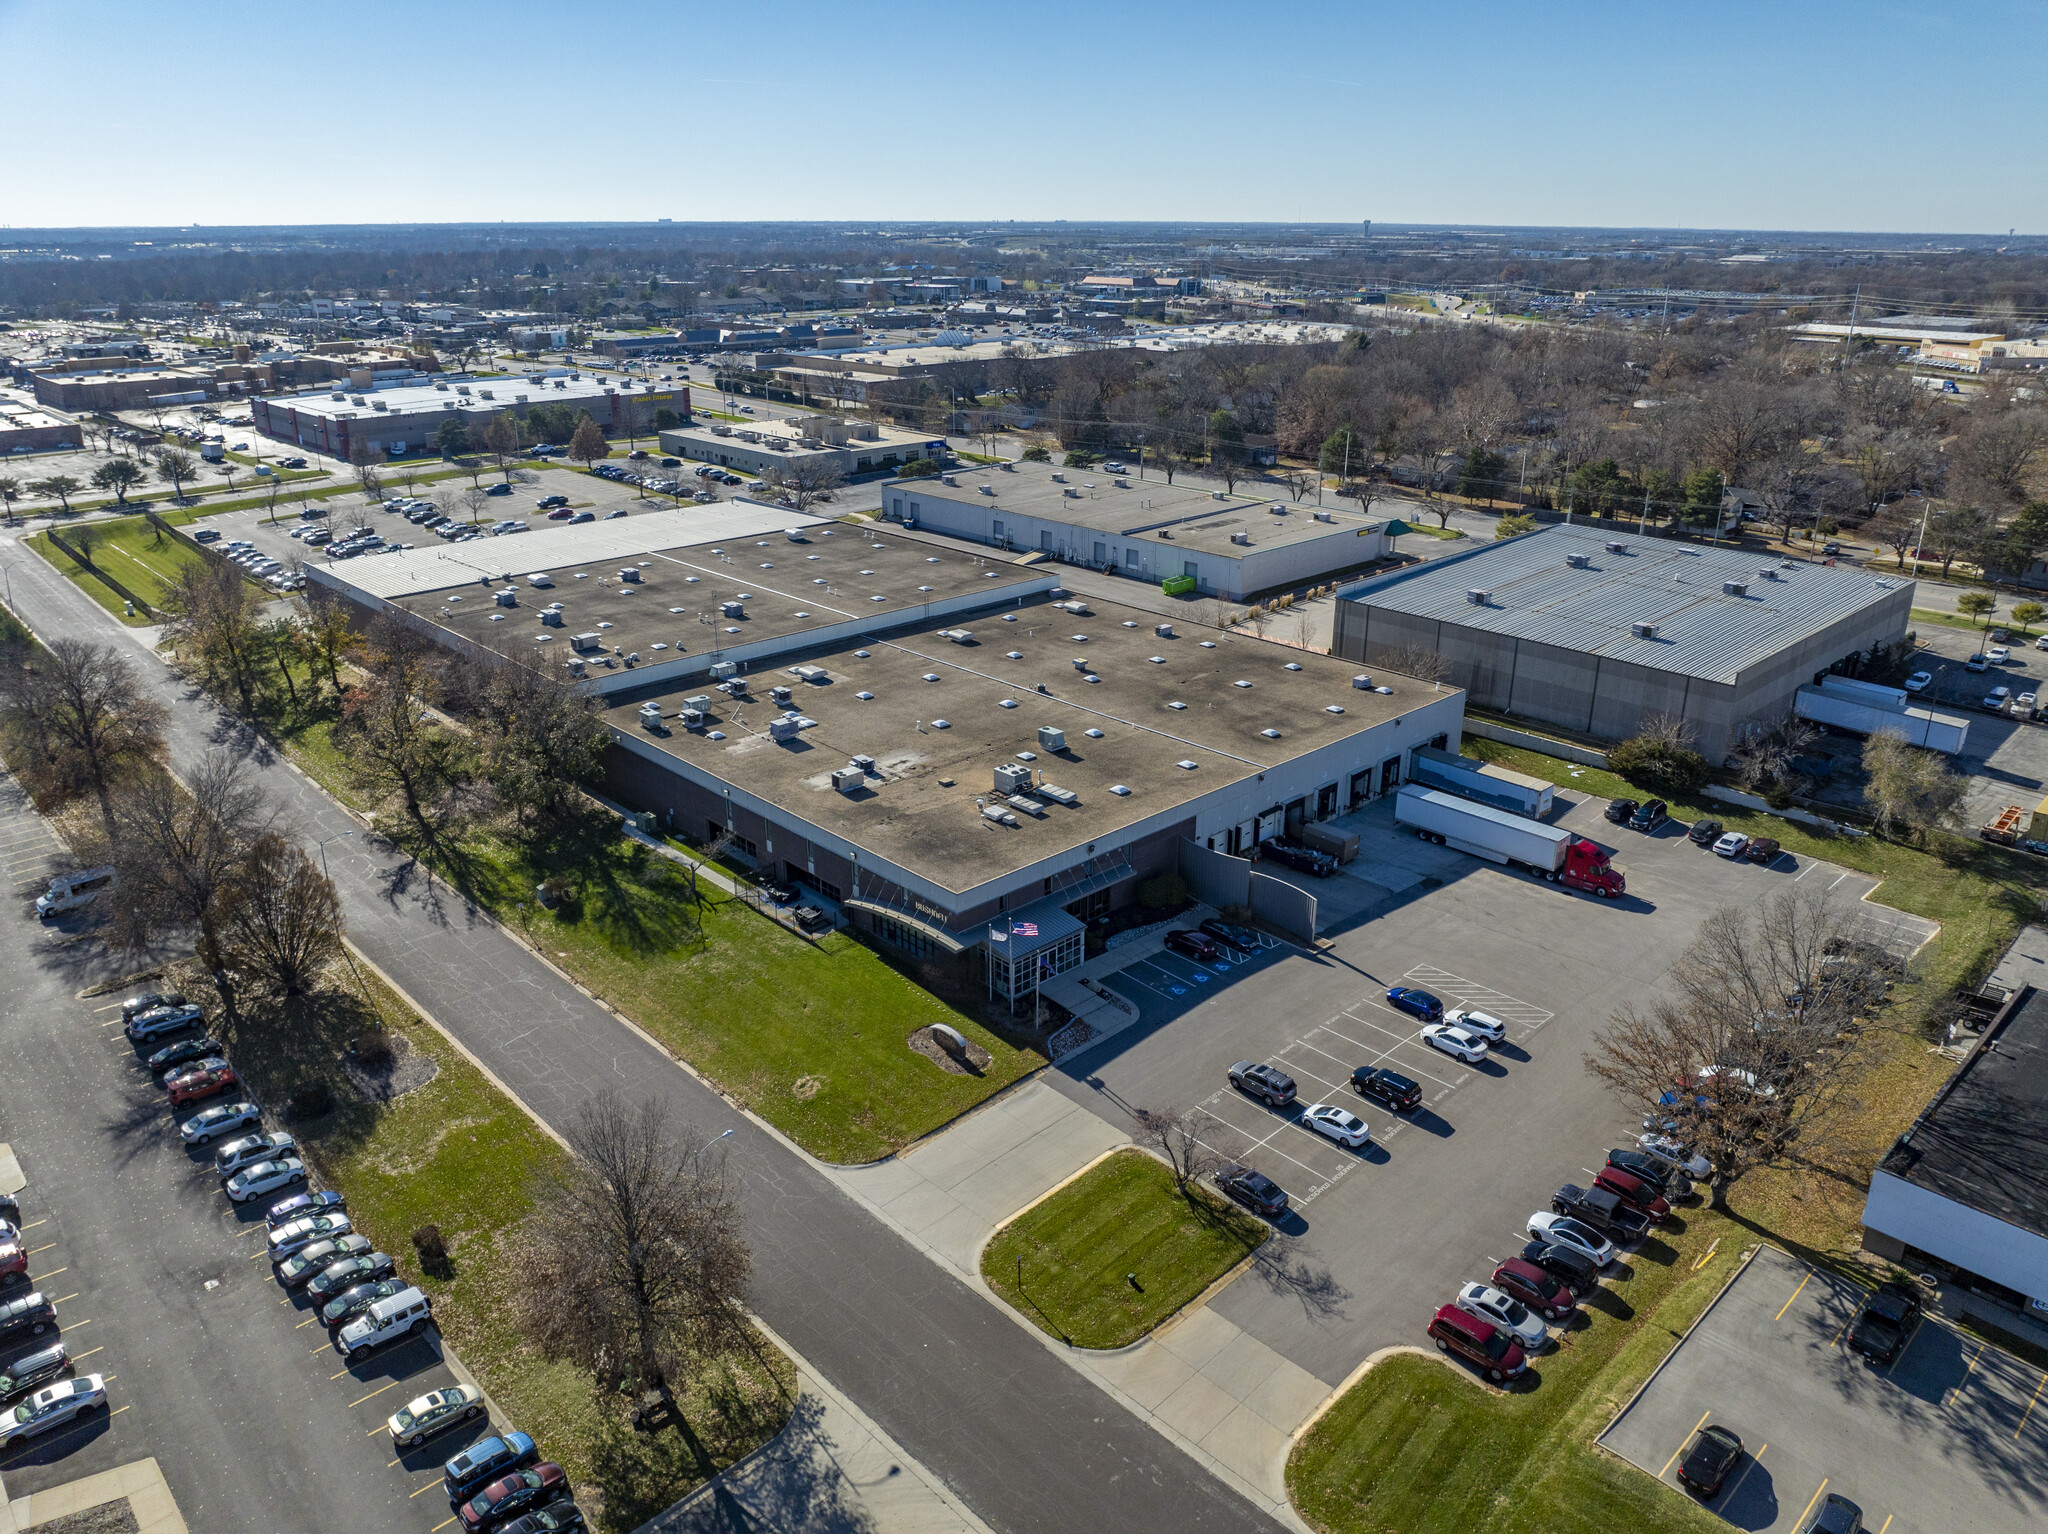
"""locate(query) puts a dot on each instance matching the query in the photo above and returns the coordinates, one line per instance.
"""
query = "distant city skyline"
(1822, 117)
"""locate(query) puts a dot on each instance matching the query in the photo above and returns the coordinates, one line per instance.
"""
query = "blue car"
(483, 1462)
(1416, 1003)
(299, 1205)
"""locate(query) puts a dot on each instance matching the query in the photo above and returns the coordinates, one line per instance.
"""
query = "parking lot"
(1378, 1238)
(161, 1285)
(1950, 1435)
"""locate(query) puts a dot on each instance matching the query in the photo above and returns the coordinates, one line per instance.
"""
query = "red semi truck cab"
(1586, 867)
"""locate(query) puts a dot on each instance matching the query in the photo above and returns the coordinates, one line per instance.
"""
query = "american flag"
(1025, 928)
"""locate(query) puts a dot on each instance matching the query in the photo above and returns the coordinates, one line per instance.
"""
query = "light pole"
(323, 841)
(708, 1144)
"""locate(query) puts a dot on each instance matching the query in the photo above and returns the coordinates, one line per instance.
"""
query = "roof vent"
(1324, 516)
(1244, 538)
(1735, 588)
(1768, 573)
(1120, 790)
(1617, 548)
(1218, 495)
(988, 489)
(1185, 765)
(1477, 597)
(1270, 734)
(1643, 630)
(1579, 561)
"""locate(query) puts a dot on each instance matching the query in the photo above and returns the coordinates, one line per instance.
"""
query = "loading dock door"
(1390, 774)
(1326, 801)
(1269, 824)
(1361, 786)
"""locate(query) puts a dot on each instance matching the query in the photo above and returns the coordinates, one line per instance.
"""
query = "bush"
(1081, 458)
(432, 1252)
(1034, 455)
(1165, 891)
(918, 468)
(1513, 527)
(1658, 764)
(372, 1048)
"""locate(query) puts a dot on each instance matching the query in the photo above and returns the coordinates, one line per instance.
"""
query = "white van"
(390, 1319)
(67, 892)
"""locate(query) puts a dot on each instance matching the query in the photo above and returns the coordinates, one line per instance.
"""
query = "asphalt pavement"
(1021, 1438)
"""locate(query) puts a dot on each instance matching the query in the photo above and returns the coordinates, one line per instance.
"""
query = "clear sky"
(1799, 114)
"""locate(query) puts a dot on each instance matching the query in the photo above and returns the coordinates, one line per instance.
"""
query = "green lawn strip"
(1958, 621)
(725, 415)
(1122, 1217)
(138, 555)
(1419, 1446)
(460, 1154)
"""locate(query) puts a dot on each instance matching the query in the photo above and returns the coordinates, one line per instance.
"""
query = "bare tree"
(535, 740)
(1171, 1132)
(215, 616)
(635, 1266)
(1418, 661)
(805, 481)
(1908, 787)
(475, 502)
(283, 920)
(391, 746)
(85, 725)
(327, 633)
(1299, 482)
(1763, 753)
(1755, 1046)
(174, 466)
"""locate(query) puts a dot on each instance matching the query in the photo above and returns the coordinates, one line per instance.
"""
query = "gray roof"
(1701, 630)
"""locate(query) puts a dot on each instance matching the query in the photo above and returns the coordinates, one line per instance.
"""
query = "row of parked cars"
(1736, 846)
(497, 1483)
(38, 1392)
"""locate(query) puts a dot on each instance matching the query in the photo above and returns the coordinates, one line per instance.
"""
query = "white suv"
(391, 1318)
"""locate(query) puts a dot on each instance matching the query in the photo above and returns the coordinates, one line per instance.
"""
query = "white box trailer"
(1866, 716)
(1501, 836)
(1500, 787)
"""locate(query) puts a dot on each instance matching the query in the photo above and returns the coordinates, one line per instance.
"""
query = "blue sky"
(1815, 115)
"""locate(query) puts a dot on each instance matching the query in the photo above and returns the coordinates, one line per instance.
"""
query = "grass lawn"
(460, 1154)
(724, 415)
(1122, 1216)
(139, 556)
(1418, 1446)
(812, 1035)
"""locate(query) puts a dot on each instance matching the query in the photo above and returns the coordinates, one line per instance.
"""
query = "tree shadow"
(1285, 1272)
(1608, 1302)
(721, 1416)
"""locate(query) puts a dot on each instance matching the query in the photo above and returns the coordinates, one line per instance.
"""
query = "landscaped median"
(1120, 1249)
(125, 554)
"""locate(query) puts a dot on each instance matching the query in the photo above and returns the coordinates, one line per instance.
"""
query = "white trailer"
(1863, 715)
(1501, 836)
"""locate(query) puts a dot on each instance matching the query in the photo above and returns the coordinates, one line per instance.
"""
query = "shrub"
(1034, 455)
(1163, 891)
(432, 1252)
(1081, 458)
(918, 468)
(1659, 764)
(1513, 527)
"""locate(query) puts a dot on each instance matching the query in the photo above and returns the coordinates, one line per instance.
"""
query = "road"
(1021, 1438)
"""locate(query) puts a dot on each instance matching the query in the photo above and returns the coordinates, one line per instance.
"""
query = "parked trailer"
(1499, 836)
(1488, 784)
(1861, 716)
(1341, 845)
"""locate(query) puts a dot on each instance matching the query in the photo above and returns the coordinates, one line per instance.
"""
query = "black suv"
(1266, 1081)
(1880, 1329)
(31, 1314)
(1302, 859)
(1649, 816)
(1243, 939)
(1602, 1210)
(1619, 810)
(1382, 1085)
(1669, 1182)
(1579, 1272)
(1704, 833)
(1254, 1190)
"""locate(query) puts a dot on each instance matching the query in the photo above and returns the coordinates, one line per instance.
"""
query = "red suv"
(1480, 1343)
(1545, 1293)
(1633, 1191)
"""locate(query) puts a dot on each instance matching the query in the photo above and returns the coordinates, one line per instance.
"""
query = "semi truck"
(1498, 786)
(1864, 709)
(1500, 836)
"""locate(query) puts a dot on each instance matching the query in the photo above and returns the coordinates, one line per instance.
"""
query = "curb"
(1627, 1406)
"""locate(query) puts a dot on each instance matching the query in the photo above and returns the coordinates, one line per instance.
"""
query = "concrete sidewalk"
(140, 1484)
(1219, 1393)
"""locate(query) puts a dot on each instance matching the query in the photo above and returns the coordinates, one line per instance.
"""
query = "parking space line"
(71, 1296)
(426, 1488)
(305, 1323)
(1800, 1521)
(1968, 1370)
(358, 1401)
(1384, 1053)
(1795, 1295)
(1683, 1442)
(42, 1249)
(87, 1353)
(1748, 1464)
(437, 1528)
(117, 1411)
(1888, 1517)
(2030, 1407)
(48, 1276)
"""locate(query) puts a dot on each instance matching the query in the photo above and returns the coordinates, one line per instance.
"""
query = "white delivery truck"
(1865, 712)
(67, 892)
(1501, 836)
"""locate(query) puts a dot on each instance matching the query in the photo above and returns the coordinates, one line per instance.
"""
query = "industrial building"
(943, 745)
(402, 416)
(1200, 540)
(846, 448)
(1597, 634)
(1965, 1189)
(25, 427)
(87, 384)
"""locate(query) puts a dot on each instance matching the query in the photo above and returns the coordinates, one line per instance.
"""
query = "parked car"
(250, 1149)
(1670, 1183)
(309, 1262)
(1713, 1452)
(548, 501)
(1704, 833)
(149, 1001)
(560, 514)
(33, 1370)
(1388, 1087)
(26, 1315)
(1538, 1288)
(13, 1260)
(1640, 1195)
(1506, 1312)
(2026, 705)
(1660, 1143)
(1574, 1235)
(1454, 1041)
(211, 1123)
(1996, 700)
(519, 1492)
(158, 1021)
(1619, 810)
(1265, 1081)
(392, 1319)
(1998, 655)
(1836, 1515)
(1472, 1020)
(499, 489)
(357, 1298)
(1254, 1190)
(1337, 1123)
(1763, 851)
(613, 516)
(171, 1056)
(304, 1231)
(1601, 1209)
(1403, 998)
(208, 1078)
(1192, 944)
(1733, 845)
(583, 516)
(265, 1177)
(1881, 1326)
(432, 1414)
(810, 918)
(485, 1461)
(1649, 815)
(1243, 939)
(1480, 1343)
(338, 1277)
(1919, 681)
(299, 1205)
(1977, 663)
(53, 1406)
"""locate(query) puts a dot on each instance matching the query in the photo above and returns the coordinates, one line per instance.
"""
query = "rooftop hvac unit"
(650, 716)
(630, 574)
(999, 814)
(782, 729)
(485, 394)
(732, 609)
(592, 641)
(507, 598)
(1477, 597)
(1218, 495)
(1578, 561)
(1241, 538)
(1325, 516)
(808, 673)
(849, 778)
(724, 670)
(690, 718)
(1768, 573)
(779, 693)
(442, 388)
(551, 618)
(863, 761)
(1030, 807)
(1057, 795)
(949, 479)
(1052, 738)
(1643, 630)
(1059, 479)
(1735, 588)
(1277, 509)
(339, 394)
(1617, 548)
(1362, 682)
(575, 665)
(1012, 777)
(988, 489)
(1164, 631)
(793, 534)
(540, 578)
(697, 700)
(1080, 664)
(462, 388)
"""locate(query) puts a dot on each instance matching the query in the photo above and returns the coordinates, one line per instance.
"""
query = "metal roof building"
(1577, 628)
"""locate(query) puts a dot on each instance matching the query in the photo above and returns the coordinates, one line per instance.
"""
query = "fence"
(1507, 735)
(100, 575)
